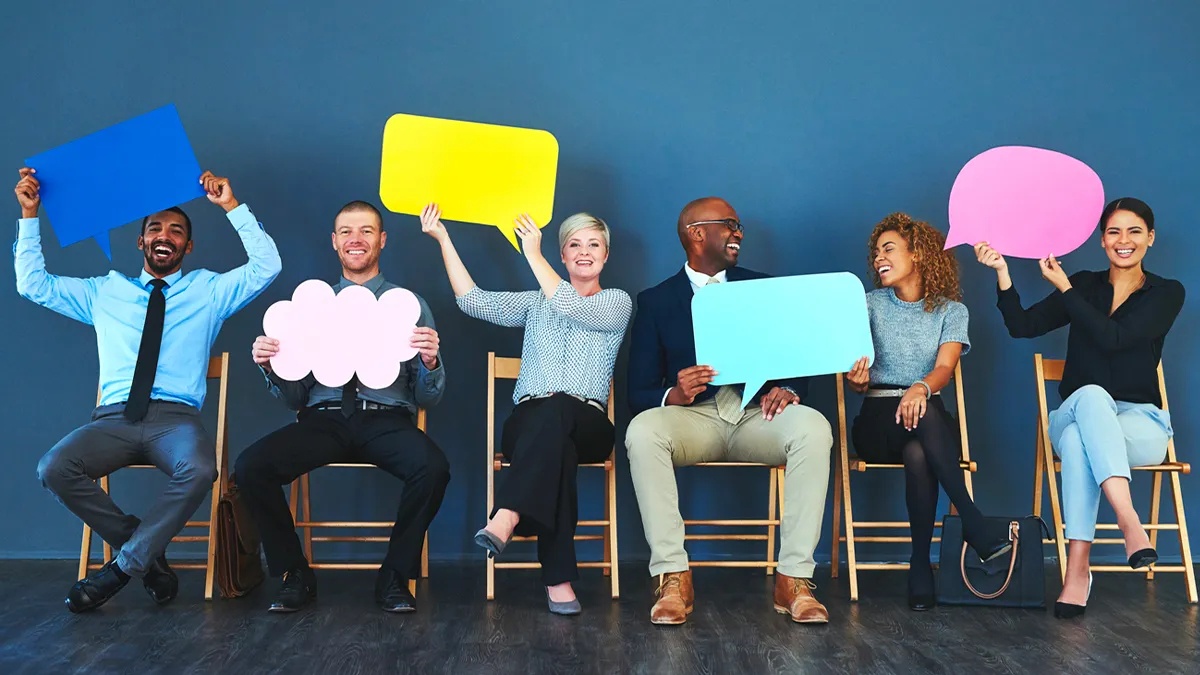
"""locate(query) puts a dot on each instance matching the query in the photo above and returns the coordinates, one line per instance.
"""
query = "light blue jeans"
(1098, 438)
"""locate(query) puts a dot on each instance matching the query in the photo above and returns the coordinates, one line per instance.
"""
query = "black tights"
(930, 454)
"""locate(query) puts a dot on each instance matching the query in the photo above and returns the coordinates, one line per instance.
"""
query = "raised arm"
(431, 224)
(235, 289)
(68, 296)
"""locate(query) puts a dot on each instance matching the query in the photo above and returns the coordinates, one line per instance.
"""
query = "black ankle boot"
(920, 587)
(992, 542)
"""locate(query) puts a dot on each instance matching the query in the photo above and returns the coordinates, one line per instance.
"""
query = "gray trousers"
(171, 438)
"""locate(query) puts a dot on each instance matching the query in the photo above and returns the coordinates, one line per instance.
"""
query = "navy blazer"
(662, 342)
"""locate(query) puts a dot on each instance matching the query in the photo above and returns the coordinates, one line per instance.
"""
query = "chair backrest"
(509, 368)
(1051, 370)
(960, 404)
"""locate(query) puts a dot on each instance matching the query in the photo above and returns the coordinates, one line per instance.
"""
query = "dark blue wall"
(813, 119)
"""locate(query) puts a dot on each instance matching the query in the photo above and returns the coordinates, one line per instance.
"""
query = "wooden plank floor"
(1131, 625)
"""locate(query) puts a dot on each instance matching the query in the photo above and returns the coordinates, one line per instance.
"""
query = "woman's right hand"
(431, 223)
(859, 376)
(987, 255)
(263, 350)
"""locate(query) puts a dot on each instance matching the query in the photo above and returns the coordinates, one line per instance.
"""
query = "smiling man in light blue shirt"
(154, 333)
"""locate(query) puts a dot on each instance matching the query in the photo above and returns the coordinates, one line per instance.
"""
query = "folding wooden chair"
(841, 492)
(500, 367)
(301, 501)
(1046, 465)
(218, 368)
(771, 523)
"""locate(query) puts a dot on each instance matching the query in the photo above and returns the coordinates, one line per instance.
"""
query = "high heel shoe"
(491, 543)
(570, 608)
(1065, 610)
(1143, 558)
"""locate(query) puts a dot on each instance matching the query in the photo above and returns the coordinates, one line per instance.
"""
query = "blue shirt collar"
(171, 279)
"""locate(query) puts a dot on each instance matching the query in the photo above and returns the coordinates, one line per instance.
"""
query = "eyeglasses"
(732, 223)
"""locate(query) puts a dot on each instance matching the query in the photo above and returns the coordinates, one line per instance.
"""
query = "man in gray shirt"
(351, 424)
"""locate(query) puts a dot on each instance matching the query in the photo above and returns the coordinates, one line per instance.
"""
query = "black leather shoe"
(96, 588)
(996, 543)
(391, 593)
(920, 587)
(299, 588)
(161, 582)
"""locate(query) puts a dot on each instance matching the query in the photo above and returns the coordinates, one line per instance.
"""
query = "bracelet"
(928, 390)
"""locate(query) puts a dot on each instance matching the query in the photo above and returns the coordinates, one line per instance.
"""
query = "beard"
(163, 265)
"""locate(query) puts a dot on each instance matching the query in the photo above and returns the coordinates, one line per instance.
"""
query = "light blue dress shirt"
(198, 303)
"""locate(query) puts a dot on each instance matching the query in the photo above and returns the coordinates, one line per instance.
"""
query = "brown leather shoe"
(793, 596)
(675, 598)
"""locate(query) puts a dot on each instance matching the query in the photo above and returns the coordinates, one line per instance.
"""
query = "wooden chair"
(845, 463)
(218, 368)
(771, 523)
(508, 369)
(301, 500)
(1046, 465)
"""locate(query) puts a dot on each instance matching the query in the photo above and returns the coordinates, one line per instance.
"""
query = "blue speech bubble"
(754, 331)
(115, 176)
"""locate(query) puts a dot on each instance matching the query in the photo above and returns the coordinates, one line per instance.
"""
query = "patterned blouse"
(570, 343)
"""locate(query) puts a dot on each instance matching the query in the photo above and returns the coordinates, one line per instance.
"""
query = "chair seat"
(857, 464)
(1169, 467)
(498, 461)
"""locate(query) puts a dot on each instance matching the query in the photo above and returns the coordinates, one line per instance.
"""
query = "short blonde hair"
(578, 222)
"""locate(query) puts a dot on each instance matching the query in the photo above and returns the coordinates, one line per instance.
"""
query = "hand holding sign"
(768, 329)
(1025, 202)
(150, 154)
(337, 336)
(478, 173)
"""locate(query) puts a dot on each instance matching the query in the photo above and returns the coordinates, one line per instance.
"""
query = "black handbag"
(1015, 579)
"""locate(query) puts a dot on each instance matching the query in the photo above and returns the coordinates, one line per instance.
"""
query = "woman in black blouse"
(1111, 417)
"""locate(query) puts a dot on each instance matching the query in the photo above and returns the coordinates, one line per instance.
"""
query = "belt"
(890, 393)
(590, 401)
(359, 404)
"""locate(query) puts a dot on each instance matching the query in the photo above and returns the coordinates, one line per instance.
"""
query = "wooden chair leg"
(1185, 544)
(851, 559)
(611, 479)
(306, 509)
(210, 566)
(490, 562)
(1060, 532)
(425, 558)
(606, 529)
(294, 499)
(772, 515)
(85, 551)
(834, 562)
(1155, 501)
(108, 552)
(1038, 473)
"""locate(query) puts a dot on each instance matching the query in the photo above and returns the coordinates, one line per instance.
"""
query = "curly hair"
(938, 267)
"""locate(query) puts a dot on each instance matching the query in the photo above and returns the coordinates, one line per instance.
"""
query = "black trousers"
(386, 438)
(930, 454)
(546, 440)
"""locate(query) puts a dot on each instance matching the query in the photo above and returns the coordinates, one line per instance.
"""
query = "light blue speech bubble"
(771, 329)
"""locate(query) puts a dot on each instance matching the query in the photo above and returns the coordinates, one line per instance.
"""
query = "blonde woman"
(573, 329)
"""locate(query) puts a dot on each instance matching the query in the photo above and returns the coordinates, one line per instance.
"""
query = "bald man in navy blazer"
(681, 419)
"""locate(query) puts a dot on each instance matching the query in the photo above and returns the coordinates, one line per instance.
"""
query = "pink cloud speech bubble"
(1026, 202)
(337, 336)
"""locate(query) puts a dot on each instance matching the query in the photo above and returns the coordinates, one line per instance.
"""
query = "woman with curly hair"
(919, 329)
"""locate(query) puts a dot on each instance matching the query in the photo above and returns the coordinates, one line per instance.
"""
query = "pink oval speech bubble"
(1025, 202)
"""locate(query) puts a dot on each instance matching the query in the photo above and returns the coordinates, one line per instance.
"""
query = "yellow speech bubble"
(478, 173)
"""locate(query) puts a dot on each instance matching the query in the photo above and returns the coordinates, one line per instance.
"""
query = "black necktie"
(147, 360)
(349, 396)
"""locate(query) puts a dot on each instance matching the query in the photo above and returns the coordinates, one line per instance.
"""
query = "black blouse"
(1119, 352)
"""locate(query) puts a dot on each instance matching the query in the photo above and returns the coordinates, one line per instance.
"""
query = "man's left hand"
(426, 341)
(218, 191)
(774, 401)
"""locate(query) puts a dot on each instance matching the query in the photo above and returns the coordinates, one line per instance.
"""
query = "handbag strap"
(1014, 530)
